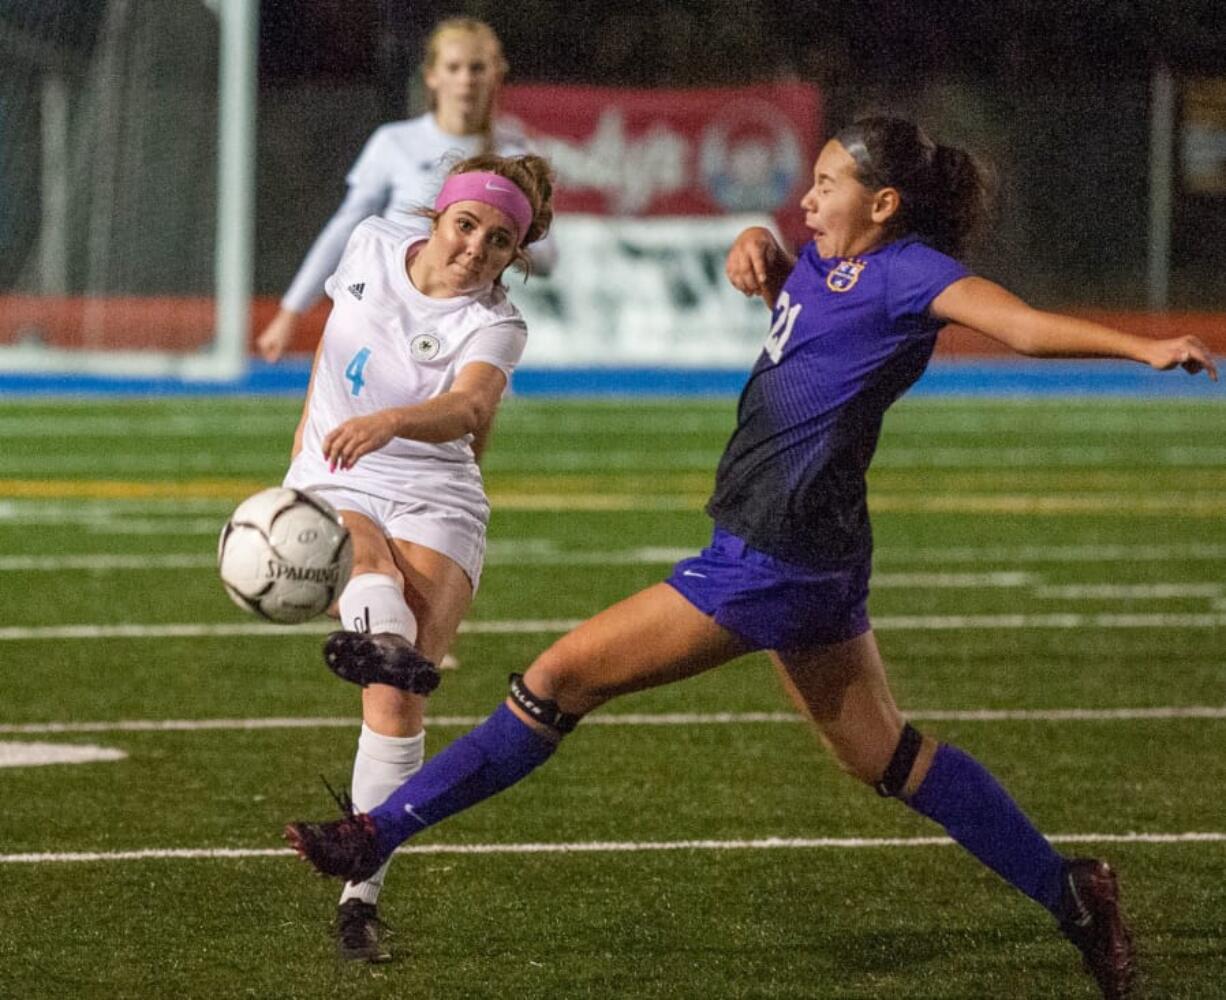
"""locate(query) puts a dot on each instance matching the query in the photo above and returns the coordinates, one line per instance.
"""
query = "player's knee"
(557, 676)
(540, 709)
(378, 564)
(864, 764)
(391, 711)
(885, 768)
(894, 778)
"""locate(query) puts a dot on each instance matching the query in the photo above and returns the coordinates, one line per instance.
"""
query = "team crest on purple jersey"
(844, 277)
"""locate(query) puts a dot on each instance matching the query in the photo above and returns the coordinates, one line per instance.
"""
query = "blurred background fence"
(1106, 124)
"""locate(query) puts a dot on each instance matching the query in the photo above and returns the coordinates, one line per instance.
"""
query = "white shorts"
(455, 533)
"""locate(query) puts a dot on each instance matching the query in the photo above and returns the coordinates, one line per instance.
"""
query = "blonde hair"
(533, 176)
(471, 27)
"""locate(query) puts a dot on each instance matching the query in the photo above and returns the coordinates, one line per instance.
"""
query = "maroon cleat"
(345, 848)
(1092, 921)
(380, 658)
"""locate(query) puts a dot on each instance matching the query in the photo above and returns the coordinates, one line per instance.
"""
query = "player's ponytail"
(945, 192)
(958, 204)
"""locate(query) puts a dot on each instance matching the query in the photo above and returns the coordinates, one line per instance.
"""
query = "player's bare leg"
(652, 638)
(649, 639)
(417, 598)
(844, 690)
(385, 649)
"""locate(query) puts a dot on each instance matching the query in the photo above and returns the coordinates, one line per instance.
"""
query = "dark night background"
(1054, 94)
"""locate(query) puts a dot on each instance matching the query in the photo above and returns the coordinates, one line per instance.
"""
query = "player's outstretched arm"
(984, 306)
(465, 408)
(276, 336)
(361, 200)
(758, 265)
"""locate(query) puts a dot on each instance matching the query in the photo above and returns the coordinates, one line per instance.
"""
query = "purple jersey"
(848, 337)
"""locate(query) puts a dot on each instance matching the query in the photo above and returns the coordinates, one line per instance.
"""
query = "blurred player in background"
(855, 319)
(413, 363)
(403, 163)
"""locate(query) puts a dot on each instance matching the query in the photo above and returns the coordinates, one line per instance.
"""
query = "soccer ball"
(284, 555)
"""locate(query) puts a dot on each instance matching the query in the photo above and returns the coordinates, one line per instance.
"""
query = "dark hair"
(945, 192)
(532, 175)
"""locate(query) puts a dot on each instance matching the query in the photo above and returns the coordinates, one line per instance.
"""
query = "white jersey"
(400, 169)
(388, 345)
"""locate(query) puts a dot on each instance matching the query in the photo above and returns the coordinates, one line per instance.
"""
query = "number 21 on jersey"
(781, 328)
(354, 370)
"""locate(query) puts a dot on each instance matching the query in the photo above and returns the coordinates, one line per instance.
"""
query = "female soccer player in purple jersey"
(854, 323)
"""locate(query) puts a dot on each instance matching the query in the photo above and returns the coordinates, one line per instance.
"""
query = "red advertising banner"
(676, 152)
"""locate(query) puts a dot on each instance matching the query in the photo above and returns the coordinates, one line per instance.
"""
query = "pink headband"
(489, 189)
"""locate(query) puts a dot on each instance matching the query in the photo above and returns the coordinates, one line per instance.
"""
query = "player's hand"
(354, 438)
(1187, 353)
(275, 338)
(757, 264)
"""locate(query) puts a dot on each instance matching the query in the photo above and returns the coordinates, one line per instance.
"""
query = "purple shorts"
(772, 604)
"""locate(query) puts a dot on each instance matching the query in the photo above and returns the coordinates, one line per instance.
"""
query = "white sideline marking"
(1055, 553)
(117, 518)
(937, 623)
(606, 847)
(38, 754)
(240, 455)
(529, 626)
(991, 456)
(55, 564)
(626, 557)
(194, 631)
(624, 719)
(663, 556)
(1129, 591)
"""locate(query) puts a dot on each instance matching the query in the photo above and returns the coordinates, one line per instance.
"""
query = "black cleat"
(359, 933)
(1091, 920)
(345, 848)
(380, 658)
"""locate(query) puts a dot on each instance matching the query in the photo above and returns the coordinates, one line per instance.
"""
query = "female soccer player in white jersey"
(413, 362)
(403, 163)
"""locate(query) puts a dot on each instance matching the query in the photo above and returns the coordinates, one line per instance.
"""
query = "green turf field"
(1049, 593)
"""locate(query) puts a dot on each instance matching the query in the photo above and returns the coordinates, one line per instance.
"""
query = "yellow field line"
(125, 489)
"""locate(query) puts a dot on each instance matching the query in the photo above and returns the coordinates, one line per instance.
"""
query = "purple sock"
(481, 763)
(960, 793)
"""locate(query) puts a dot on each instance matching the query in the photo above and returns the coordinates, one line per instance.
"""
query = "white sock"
(383, 764)
(374, 602)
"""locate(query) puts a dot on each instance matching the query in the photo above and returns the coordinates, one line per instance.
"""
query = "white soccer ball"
(284, 555)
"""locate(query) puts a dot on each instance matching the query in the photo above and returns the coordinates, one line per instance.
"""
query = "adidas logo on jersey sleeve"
(357, 289)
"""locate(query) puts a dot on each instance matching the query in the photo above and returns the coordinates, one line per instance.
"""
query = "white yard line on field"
(1009, 555)
(625, 557)
(61, 428)
(105, 562)
(249, 454)
(1206, 504)
(605, 847)
(529, 626)
(1163, 712)
(1129, 591)
(991, 456)
(653, 556)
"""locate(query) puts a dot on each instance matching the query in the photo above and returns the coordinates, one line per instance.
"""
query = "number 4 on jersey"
(781, 329)
(354, 370)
